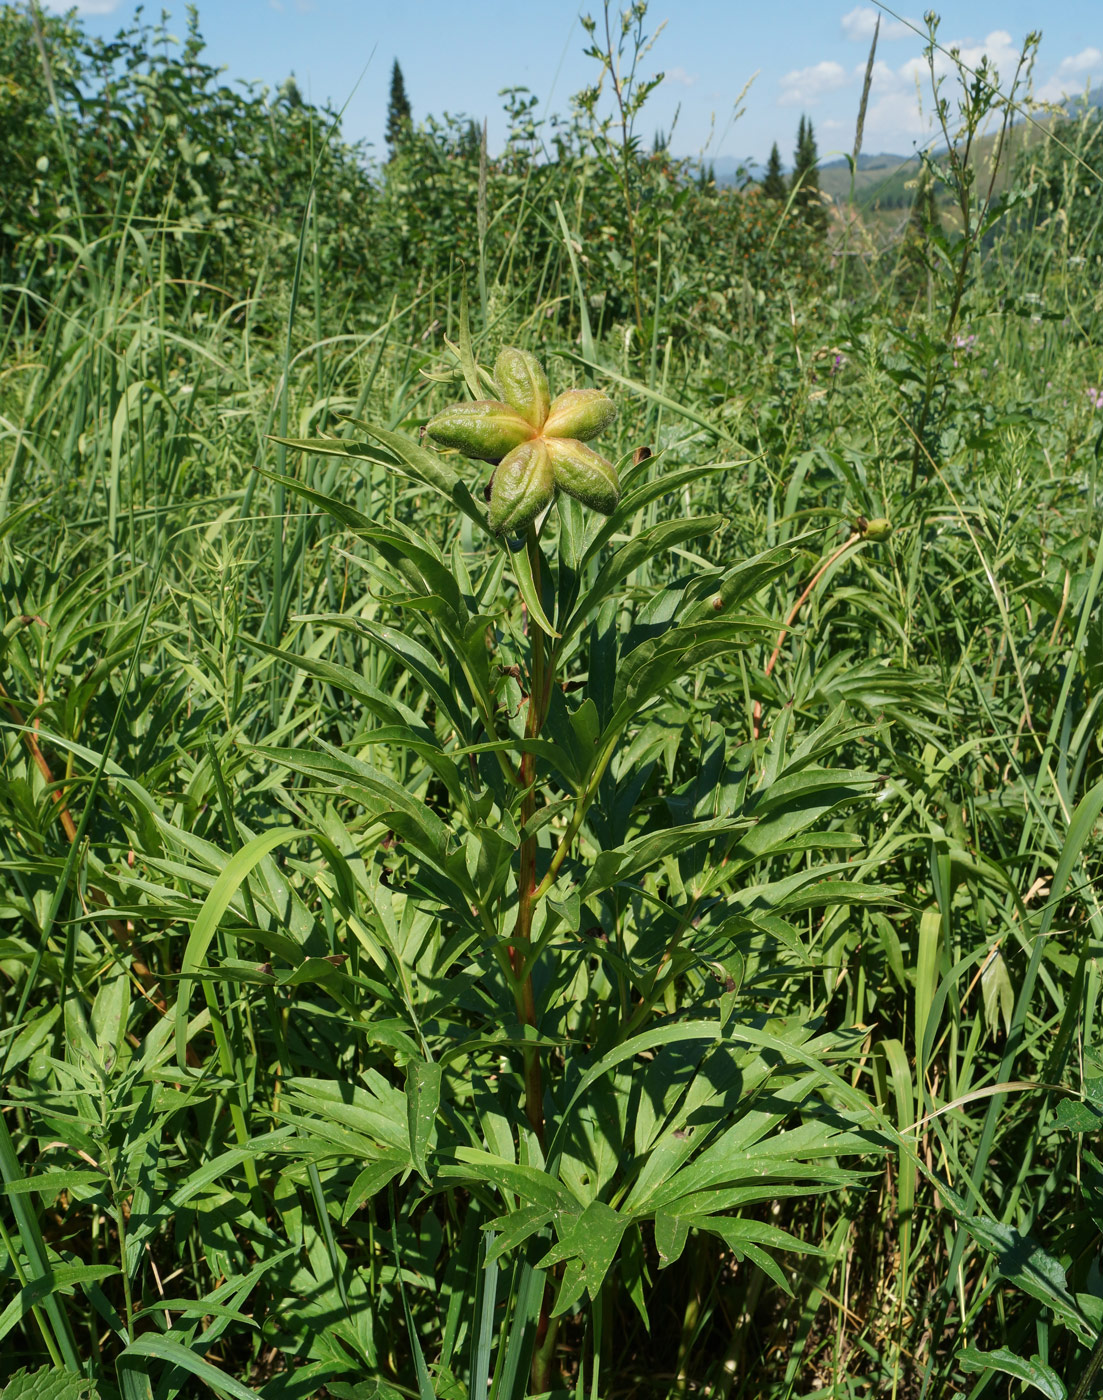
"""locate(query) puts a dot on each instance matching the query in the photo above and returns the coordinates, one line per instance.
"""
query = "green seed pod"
(485, 429)
(523, 487)
(878, 530)
(523, 384)
(584, 474)
(579, 413)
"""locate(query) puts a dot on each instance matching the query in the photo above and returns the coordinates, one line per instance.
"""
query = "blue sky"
(803, 56)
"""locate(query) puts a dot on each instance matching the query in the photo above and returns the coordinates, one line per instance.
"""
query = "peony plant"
(548, 908)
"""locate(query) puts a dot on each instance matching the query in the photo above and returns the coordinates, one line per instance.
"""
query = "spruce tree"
(399, 115)
(806, 178)
(797, 181)
(773, 183)
(801, 146)
(706, 177)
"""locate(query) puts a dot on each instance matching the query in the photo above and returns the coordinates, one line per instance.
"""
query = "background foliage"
(805, 1087)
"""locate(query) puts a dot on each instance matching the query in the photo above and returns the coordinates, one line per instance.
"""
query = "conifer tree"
(773, 182)
(806, 178)
(706, 177)
(399, 115)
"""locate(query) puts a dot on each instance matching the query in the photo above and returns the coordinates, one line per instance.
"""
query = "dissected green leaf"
(589, 1241)
(373, 1179)
(1023, 1262)
(1035, 1372)
(49, 1383)
(511, 1230)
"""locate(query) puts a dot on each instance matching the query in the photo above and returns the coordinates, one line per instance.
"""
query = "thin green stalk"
(574, 826)
(276, 602)
(30, 1237)
(120, 1226)
(36, 1309)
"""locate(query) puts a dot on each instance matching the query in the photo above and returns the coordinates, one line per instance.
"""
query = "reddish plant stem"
(118, 928)
(67, 822)
(792, 617)
(542, 1371)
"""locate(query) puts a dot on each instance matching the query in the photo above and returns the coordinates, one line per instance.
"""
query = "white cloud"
(859, 23)
(805, 86)
(901, 106)
(1074, 74)
(902, 102)
(894, 115)
(679, 75)
(883, 78)
(999, 48)
(84, 7)
(1083, 62)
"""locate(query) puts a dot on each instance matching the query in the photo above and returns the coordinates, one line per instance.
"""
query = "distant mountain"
(729, 169)
(882, 179)
(834, 174)
(884, 161)
(887, 180)
(1074, 106)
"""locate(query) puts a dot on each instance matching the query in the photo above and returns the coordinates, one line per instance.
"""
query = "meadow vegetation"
(655, 955)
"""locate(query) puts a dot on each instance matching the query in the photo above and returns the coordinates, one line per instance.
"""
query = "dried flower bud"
(579, 413)
(485, 429)
(524, 485)
(523, 384)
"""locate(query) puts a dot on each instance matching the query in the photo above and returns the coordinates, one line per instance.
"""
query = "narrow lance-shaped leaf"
(423, 1084)
(643, 547)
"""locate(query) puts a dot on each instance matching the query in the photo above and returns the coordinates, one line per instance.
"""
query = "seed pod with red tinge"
(877, 530)
(523, 487)
(485, 429)
(579, 413)
(523, 384)
(584, 474)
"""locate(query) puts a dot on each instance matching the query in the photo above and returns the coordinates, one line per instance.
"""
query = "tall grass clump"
(551, 780)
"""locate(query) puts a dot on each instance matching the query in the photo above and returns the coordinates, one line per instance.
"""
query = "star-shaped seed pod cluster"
(538, 443)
